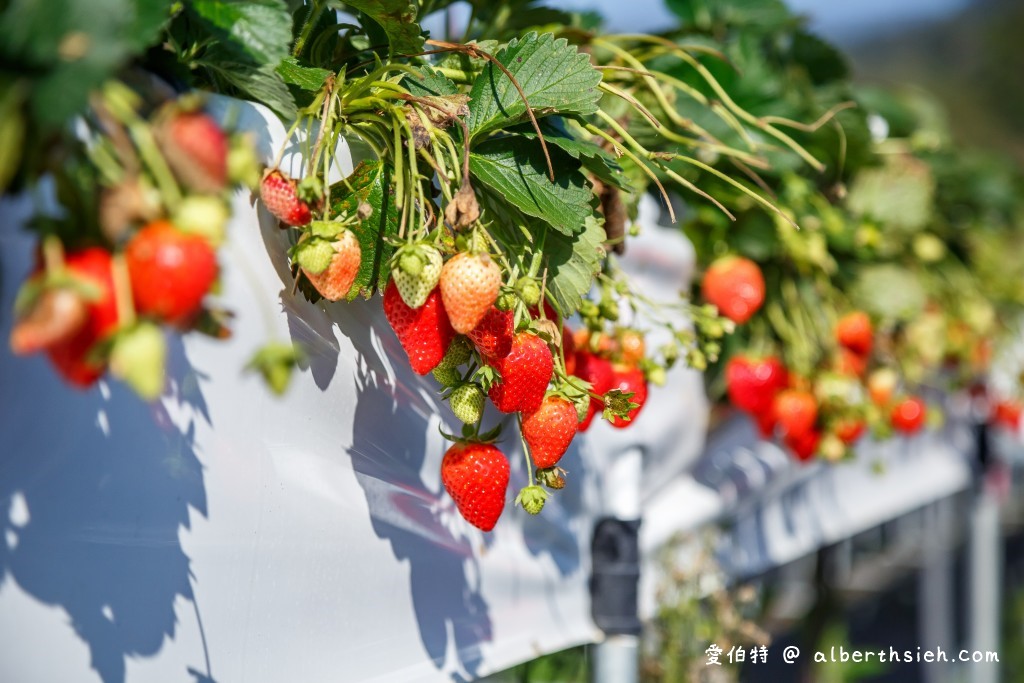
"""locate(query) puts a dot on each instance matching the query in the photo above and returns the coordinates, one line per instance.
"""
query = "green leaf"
(67, 48)
(899, 194)
(904, 295)
(398, 19)
(261, 30)
(554, 76)
(305, 77)
(262, 84)
(572, 263)
(428, 83)
(515, 169)
(594, 159)
(369, 183)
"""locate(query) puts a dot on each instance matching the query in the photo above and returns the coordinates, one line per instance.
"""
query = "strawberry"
(203, 215)
(849, 430)
(1007, 414)
(92, 268)
(467, 402)
(632, 347)
(459, 353)
(446, 376)
(331, 266)
(629, 380)
(54, 317)
(736, 286)
(170, 271)
(525, 374)
(831, 448)
(280, 194)
(476, 476)
(196, 149)
(850, 363)
(908, 415)
(766, 423)
(469, 287)
(494, 333)
(881, 385)
(549, 430)
(598, 372)
(804, 445)
(752, 383)
(416, 272)
(423, 332)
(796, 412)
(854, 332)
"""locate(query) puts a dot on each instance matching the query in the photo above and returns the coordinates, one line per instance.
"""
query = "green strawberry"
(458, 353)
(532, 499)
(138, 357)
(416, 270)
(467, 402)
(446, 376)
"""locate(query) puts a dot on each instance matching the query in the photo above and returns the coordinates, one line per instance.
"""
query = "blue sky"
(841, 20)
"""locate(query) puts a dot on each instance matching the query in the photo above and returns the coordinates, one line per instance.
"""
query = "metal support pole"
(615, 578)
(985, 562)
(935, 604)
(985, 583)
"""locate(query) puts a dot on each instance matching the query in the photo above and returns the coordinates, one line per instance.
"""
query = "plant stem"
(312, 17)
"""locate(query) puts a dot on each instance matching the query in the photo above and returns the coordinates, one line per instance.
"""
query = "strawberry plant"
(500, 173)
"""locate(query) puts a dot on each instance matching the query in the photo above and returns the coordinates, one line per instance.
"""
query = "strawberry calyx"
(618, 404)
(472, 435)
(553, 477)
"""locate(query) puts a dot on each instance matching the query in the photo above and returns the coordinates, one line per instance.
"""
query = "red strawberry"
(736, 286)
(280, 194)
(804, 445)
(549, 430)
(170, 271)
(598, 372)
(476, 476)
(1007, 414)
(849, 430)
(525, 374)
(854, 332)
(908, 415)
(630, 380)
(469, 287)
(335, 280)
(494, 333)
(196, 149)
(850, 363)
(424, 332)
(796, 412)
(70, 357)
(753, 383)
(766, 423)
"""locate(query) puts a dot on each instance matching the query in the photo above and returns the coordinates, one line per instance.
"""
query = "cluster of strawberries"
(99, 304)
(827, 416)
(823, 416)
(472, 333)
(327, 252)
